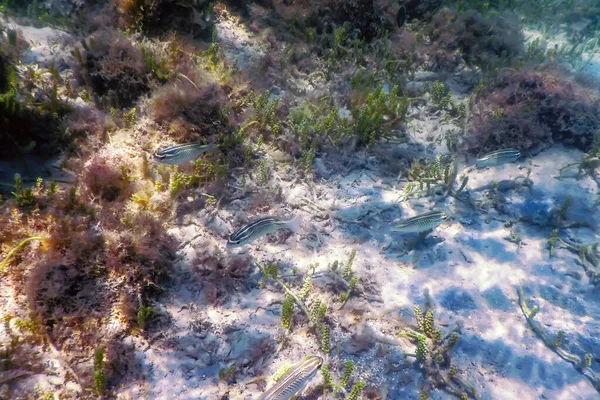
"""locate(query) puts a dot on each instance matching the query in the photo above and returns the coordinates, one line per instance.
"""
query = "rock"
(56, 380)
(343, 112)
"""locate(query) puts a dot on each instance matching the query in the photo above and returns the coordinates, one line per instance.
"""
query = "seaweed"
(485, 41)
(433, 354)
(112, 67)
(157, 16)
(582, 364)
(27, 125)
(529, 109)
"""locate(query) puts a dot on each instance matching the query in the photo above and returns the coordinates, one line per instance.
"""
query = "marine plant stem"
(551, 344)
(299, 302)
(15, 249)
(351, 286)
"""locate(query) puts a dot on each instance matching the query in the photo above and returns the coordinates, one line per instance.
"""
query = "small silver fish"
(421, 223)
(182, 153)
(295, 380)
(260, 227)
(498, 157)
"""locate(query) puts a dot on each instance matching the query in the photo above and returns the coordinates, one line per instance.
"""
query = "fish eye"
(444, 216)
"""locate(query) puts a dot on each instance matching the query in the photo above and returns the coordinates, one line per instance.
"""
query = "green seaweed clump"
(432, 352)
(99, 373)
(375, 112)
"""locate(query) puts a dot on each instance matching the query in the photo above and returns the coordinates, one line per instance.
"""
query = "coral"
(528, 109)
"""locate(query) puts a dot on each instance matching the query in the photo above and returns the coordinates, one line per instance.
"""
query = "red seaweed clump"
(529, 109)
(482, 41)
(96, 257)
(112, 67)
(155, 16)
(189, 112)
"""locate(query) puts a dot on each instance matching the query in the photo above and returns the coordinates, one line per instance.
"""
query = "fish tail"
(294, 223)
(211, 147)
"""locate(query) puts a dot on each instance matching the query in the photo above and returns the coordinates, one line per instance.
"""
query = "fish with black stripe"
(182, 153)
(260, 227)
(295, 380)
(498, 157)
(421, 223)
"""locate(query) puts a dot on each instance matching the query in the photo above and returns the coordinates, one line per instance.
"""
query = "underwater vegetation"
(433, 355)
(112, 67)
(485, 41)
(194, 17)
(335, 86)
(82, 245)
(529, 109)
(30, 120)
(582, 364)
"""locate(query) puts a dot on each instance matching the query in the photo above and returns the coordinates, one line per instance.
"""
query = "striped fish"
(260, 227)
(295, 380)
(421, 223)
(182, 153)
(498, 157)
